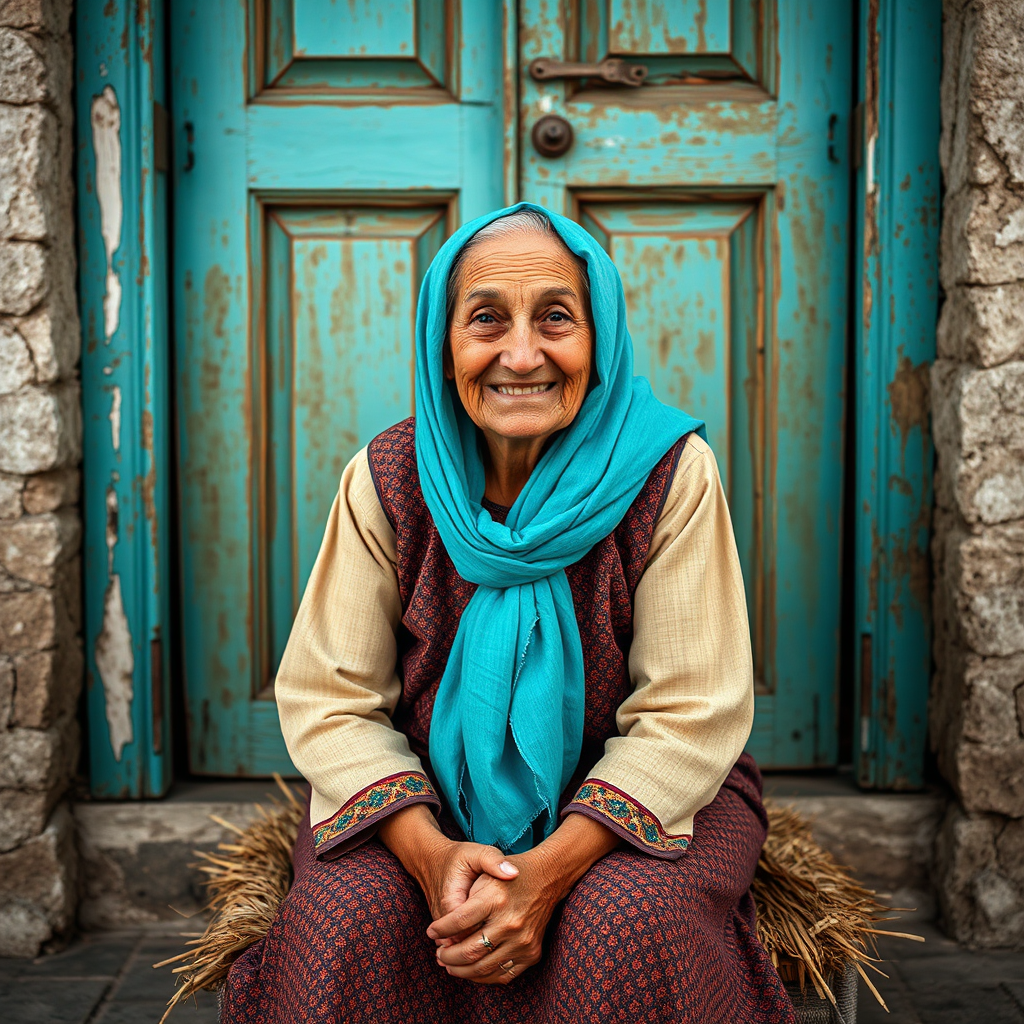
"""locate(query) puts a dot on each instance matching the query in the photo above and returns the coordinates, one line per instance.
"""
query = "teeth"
(536, 389)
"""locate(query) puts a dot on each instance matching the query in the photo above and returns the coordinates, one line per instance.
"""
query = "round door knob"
(552, 136)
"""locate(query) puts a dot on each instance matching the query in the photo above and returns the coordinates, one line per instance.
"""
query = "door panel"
(323, 153)
(694, 287)
(720, 187)
(340, 302)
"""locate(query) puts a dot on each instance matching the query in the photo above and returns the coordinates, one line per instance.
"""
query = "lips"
(515, 389)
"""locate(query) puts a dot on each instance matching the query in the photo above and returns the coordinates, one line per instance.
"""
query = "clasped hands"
(475, 891)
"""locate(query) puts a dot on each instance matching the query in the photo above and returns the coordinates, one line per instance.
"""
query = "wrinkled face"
(520, 345)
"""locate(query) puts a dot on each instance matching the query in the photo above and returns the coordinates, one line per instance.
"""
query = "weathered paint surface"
(898, 199)
(713, 187)
(122, 262)
(114, 658)
(106, 140)
(303, 227)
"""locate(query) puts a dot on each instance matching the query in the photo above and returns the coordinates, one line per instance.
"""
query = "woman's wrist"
(413, 836)
(570, 851)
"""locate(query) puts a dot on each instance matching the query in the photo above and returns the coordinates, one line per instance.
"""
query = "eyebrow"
(493, 294)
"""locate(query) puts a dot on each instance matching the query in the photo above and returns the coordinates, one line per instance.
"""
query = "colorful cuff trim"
(373, 801)
(627, 816)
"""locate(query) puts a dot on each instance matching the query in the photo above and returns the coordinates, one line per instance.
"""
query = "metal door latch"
(612, 70)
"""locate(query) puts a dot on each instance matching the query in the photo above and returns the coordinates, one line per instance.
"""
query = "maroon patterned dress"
(660, 930)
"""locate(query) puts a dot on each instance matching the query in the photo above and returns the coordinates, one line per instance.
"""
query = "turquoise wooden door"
(720, 187)
(322, 153)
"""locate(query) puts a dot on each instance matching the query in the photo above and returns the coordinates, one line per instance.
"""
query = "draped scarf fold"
(507, 723)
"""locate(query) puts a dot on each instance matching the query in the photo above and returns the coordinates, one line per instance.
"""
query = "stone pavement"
(107, 978)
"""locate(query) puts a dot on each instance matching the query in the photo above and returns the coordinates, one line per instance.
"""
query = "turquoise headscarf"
(507, 724)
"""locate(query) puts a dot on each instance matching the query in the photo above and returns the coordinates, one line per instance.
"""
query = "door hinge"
(161, 138)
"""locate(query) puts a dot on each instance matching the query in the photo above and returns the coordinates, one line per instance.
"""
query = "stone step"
(137, 856)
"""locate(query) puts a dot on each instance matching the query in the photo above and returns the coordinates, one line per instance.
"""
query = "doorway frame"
(129, 422)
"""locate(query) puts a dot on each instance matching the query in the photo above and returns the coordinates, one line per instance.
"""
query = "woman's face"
(520, 344)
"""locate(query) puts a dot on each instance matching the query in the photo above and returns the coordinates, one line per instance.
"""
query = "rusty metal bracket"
(611, 70)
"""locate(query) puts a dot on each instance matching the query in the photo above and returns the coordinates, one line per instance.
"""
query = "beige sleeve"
(691, 709)
(337, 686)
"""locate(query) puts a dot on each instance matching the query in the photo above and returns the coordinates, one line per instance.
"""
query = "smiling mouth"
(529, 389)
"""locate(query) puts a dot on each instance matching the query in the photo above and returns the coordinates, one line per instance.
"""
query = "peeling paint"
(115, 659)
(106, 140)
(909, 399)
(115, 418)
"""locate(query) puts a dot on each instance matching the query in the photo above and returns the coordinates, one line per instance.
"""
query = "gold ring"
(507, 967)
(486, 941)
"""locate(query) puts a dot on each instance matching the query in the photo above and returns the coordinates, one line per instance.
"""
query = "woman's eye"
(558, 317)
(484, 318)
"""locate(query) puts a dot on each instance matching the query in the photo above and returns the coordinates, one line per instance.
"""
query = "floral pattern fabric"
(626, 817)
(369, 805)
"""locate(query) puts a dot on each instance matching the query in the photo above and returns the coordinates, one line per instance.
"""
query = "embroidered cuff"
(370, 806)
(626, 817)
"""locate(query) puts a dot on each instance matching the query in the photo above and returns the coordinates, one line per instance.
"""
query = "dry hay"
(246, 881)
(812, 916)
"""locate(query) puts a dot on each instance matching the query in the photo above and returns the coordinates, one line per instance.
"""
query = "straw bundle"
(246, 881)
(812, 916)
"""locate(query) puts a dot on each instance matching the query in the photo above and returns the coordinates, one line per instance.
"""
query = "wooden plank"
(122, 196)
(897, 304)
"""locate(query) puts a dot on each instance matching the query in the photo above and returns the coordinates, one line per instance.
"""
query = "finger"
(471, 915)
(469, 951)
(493, 862)
(489, 974)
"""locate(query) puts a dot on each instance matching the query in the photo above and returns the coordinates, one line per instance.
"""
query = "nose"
(522, 351)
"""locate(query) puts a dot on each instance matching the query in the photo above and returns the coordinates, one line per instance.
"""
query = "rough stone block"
(982, 98)
(980, 903)
(34, 547)
(982, 238)
(23, 77)
(992, 686)
(47, 492)
(995, 31)
(11, 488)
(48, 685)
(22, 815)
(978, 427)
(23, 929)
(16, 366)
(1010, 851)
(29, 621)
(52, 331)
(990, 777)
(40, 429)
(36, 15)
(983, 325)
(987, 571)
(39, 760)
(40, 877)
(28, 178)
(24, 276)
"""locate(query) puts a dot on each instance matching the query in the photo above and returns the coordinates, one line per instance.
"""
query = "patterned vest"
(434, 595)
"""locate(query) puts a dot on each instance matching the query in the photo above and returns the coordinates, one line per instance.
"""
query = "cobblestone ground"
(108, 979)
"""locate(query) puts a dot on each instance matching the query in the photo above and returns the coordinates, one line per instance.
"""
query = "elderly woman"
(519, 684)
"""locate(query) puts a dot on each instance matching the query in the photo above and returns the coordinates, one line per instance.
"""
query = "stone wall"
(40, 449)
(977, 713)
